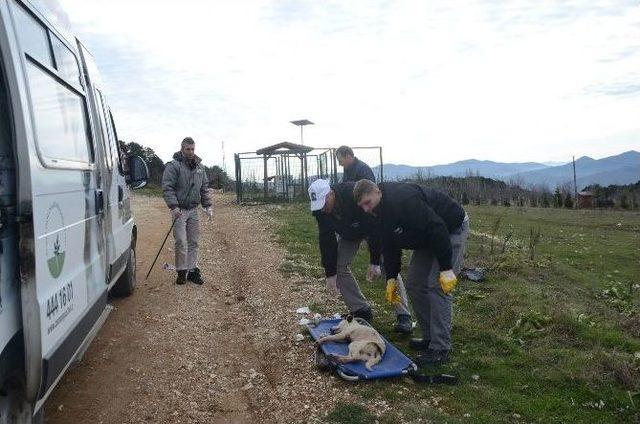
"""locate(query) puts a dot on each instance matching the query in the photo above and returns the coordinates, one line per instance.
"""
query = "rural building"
(586, 200)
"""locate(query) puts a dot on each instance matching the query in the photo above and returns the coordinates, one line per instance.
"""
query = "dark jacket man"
(415, 217)
(349, 222)
(357, 171)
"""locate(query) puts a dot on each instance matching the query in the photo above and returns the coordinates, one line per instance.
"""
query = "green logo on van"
(56, 240)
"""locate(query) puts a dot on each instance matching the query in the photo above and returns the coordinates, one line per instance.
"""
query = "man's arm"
(422, 217)
(374, 241)
(328, 244)
(392, 257)
(169, 182)
(204, 190)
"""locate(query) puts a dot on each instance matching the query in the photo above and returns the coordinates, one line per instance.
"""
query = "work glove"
(332, 285)
(373, 272)
(209, 211)
(391, 294)
(448, 281)
(176, 213)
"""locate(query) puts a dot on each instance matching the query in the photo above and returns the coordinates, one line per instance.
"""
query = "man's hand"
(391, 293)
(448, 281)
(332, 285)
(209, 211)
(176, 213)
(373, 272)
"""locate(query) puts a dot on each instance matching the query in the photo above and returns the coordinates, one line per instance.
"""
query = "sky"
(432, 82)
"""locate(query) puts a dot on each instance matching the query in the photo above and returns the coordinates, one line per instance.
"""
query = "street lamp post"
(301, 123)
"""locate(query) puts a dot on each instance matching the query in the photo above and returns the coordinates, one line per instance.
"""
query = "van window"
(66, 62)
(120, 148)
(33, 36)
(106, 131)
(59, 119)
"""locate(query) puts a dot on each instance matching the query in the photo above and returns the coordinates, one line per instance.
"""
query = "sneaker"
(195, 277)
(182, 277)
(364, 313)
(419, 344)
(403, 325)
(432, 357)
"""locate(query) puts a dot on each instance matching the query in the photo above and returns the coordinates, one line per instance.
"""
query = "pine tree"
(568, 202)
(557, 198)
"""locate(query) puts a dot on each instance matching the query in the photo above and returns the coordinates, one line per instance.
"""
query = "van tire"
(126, 284)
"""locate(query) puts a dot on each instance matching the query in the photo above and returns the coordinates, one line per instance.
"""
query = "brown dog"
(365, 342)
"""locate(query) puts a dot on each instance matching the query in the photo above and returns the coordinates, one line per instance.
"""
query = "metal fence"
(286, 176)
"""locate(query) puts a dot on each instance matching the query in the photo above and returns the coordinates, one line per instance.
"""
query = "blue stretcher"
(394, 363)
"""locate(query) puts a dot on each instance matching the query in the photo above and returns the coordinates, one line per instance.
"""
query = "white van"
(67, 235)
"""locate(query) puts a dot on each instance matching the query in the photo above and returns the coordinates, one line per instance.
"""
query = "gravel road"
(223, 352)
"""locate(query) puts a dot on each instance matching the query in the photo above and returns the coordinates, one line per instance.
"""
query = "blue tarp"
(394, 363)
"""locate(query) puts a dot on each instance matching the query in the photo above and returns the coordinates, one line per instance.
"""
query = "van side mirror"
(138, 172)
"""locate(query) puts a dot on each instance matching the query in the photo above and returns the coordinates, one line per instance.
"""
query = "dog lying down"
(365, 344)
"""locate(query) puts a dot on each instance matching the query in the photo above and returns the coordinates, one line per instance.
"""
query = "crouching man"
(185, 186)
(342, 226)
(436, 228)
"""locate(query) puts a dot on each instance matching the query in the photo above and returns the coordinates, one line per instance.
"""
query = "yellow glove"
(391, 293)
(448, 281)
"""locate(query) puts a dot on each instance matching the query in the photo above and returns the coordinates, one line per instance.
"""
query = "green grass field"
(549, 337)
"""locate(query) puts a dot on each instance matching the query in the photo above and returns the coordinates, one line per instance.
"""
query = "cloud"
(431, 82)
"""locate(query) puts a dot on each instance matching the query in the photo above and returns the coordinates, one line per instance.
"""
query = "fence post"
(334, 175)
(266, 175)
(381, 167)
(305, 183)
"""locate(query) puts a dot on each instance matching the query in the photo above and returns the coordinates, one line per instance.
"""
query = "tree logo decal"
(56, 240)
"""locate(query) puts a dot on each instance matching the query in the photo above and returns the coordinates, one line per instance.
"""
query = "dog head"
(342, 324)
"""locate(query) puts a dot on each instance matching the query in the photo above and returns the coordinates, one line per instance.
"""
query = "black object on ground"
(474, 274)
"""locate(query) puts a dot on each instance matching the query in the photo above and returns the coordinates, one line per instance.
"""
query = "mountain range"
(620, 169)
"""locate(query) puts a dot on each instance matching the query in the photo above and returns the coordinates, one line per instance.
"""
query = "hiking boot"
(432, 357)
(364, 313)
(403, 325)
(419, 344)
(182, 277)
(195, 277)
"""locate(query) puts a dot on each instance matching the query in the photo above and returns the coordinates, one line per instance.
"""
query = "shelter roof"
(284, 147)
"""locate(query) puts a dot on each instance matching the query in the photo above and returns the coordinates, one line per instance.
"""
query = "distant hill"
(620, 169)
(485, 168)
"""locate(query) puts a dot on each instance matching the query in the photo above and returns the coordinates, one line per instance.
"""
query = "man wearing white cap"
(337, 214)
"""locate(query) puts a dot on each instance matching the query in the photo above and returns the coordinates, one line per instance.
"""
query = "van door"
(60, 198)
(118, 219)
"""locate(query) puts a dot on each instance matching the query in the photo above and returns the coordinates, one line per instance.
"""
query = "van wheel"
(126, 284)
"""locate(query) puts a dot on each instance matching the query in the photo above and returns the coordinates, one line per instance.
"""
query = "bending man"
(342, 226)
(436, 228)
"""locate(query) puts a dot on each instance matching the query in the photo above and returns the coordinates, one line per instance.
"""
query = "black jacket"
(357, 171)
(349, 222)
(415, 217)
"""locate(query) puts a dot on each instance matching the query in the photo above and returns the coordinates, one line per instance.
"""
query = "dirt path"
(217, 353)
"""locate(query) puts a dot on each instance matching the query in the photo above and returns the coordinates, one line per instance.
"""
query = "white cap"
(318, 191)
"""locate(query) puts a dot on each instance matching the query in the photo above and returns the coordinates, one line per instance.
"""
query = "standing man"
(185, 186)
(436, 228)
(354, 169)
(342, 226)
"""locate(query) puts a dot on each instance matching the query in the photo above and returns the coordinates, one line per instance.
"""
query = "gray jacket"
(178, 177)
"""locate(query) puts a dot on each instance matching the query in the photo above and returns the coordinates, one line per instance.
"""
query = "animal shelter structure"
(283, 171)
